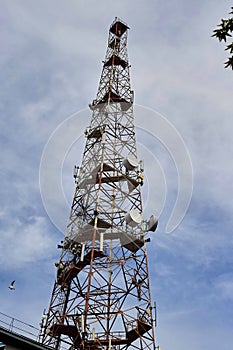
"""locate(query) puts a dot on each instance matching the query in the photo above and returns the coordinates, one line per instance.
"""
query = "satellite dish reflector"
(130, 162)
(153, 223)
(133, 218)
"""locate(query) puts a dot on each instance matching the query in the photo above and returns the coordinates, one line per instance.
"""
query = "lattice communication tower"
(101, 297)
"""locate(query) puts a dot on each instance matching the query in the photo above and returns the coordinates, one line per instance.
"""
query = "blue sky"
(50, 64)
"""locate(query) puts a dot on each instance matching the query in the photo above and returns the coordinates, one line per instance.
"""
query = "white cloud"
(24, 242)
(224, 285)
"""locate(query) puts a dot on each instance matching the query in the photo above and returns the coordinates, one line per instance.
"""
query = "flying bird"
(11, 286)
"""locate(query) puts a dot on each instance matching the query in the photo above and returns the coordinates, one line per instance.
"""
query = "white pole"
(101, 241)
(82, 323)
(82, 252)
(93, 334)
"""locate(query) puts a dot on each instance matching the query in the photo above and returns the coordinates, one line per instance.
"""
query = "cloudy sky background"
(50, 64)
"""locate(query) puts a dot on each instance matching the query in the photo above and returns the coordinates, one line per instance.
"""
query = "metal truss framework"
(101, 296)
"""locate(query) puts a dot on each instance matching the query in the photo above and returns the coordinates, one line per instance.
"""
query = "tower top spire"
(114, 85)
(118, 27)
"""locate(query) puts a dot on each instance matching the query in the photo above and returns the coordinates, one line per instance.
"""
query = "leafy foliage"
(223, 33)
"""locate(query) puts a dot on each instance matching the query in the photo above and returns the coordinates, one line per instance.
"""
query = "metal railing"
(14, 325)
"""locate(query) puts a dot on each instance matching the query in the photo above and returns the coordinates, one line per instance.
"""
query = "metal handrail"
(17, 326)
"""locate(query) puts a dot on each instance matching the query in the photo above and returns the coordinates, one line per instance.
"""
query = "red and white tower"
(101, 297)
